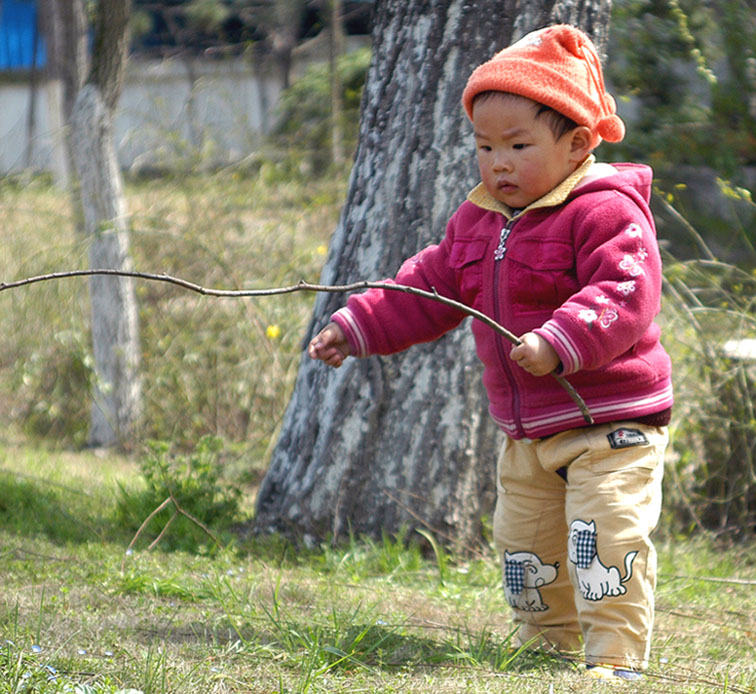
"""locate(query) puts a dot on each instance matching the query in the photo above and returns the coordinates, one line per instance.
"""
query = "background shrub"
(305, 110)
(194, 481)
(710, 312)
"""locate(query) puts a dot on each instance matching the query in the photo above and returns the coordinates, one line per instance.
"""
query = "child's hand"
(535, 355)
(330, 346)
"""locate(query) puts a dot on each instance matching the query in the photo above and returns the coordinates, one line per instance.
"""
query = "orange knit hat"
(557, 67)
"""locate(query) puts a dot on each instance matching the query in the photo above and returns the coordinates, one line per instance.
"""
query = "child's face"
(519, 157)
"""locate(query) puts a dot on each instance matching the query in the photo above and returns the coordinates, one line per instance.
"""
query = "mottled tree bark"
(386, 442)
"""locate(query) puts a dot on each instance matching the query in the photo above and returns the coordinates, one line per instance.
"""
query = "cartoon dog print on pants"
(524, 573)
(595, 581)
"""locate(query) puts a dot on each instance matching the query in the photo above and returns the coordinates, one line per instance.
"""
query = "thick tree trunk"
(115, 336)
(592, 16)
(406, 440)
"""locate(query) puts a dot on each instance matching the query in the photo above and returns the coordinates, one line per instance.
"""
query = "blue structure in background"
(21, 45)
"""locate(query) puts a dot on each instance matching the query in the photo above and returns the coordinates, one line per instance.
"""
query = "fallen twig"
(142, 527)
(170, 499)
(302, 286)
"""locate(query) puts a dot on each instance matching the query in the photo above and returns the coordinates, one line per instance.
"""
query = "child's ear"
(580, 143)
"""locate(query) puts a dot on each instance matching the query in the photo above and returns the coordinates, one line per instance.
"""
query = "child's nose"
(501, 162)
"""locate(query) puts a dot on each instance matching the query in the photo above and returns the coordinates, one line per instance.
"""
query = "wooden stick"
(302, 286)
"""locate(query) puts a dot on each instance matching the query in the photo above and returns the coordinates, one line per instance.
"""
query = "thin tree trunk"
(386, 442)
(335, 51)
(31, 115)
(66, 21)
(75, 66)
(115, 335)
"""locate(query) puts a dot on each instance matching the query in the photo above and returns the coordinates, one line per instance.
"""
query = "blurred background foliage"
(685, 74)
(305, 109)
(689, 69)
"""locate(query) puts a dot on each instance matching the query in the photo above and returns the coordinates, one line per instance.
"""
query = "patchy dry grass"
(262, 616)
(210, 366)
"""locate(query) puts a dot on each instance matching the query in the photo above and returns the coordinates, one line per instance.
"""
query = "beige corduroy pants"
(573, 517)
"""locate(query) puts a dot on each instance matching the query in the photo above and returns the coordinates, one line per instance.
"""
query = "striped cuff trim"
(357, 340)
(564, 345)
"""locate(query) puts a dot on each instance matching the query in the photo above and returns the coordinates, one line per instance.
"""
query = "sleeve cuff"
(565, 347)
(345, 319)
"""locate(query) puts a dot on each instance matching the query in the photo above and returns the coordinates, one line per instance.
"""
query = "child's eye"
(519, 145)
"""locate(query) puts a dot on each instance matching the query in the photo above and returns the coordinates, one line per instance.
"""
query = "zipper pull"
(501, 249)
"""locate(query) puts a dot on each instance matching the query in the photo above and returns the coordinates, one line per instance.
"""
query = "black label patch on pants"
(625, 438)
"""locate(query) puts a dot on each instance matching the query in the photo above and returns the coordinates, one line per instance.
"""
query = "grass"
(264, 616)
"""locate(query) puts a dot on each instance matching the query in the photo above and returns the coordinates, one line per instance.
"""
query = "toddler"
(561, 251)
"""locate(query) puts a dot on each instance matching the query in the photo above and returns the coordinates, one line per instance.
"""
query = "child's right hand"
(330, 346)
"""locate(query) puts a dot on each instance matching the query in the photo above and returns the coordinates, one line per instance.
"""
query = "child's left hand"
(535, 355)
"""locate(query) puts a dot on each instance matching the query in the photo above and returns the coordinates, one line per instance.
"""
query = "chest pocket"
(466, 258)
(540, 274)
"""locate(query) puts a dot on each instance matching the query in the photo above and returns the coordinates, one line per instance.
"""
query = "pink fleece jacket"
(580, 268)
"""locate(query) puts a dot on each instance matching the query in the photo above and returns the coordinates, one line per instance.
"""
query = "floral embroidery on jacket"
(626, 288)
(608, 316)
(632, 265)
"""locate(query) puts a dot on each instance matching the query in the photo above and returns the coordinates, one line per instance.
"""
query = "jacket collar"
(482, 198)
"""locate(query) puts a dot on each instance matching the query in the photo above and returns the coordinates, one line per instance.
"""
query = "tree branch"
(302, 286)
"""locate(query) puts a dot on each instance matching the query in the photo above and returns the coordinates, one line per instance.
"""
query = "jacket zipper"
(499, 253)
(501, 249)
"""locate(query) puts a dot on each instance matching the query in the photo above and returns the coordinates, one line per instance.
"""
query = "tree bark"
(335, 51)
(387, 442)
(592, 16)
(31, 114)
(115, 335)
(111, 45)
(65, 26)
(64, 23)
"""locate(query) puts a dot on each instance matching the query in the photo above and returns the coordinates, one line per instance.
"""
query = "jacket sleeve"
(619, 272)
(384, 321)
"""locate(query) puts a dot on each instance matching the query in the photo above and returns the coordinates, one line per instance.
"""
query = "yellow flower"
(273, 332)
(322, 249)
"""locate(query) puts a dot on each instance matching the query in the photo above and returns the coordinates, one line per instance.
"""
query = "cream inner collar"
(482, 198)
